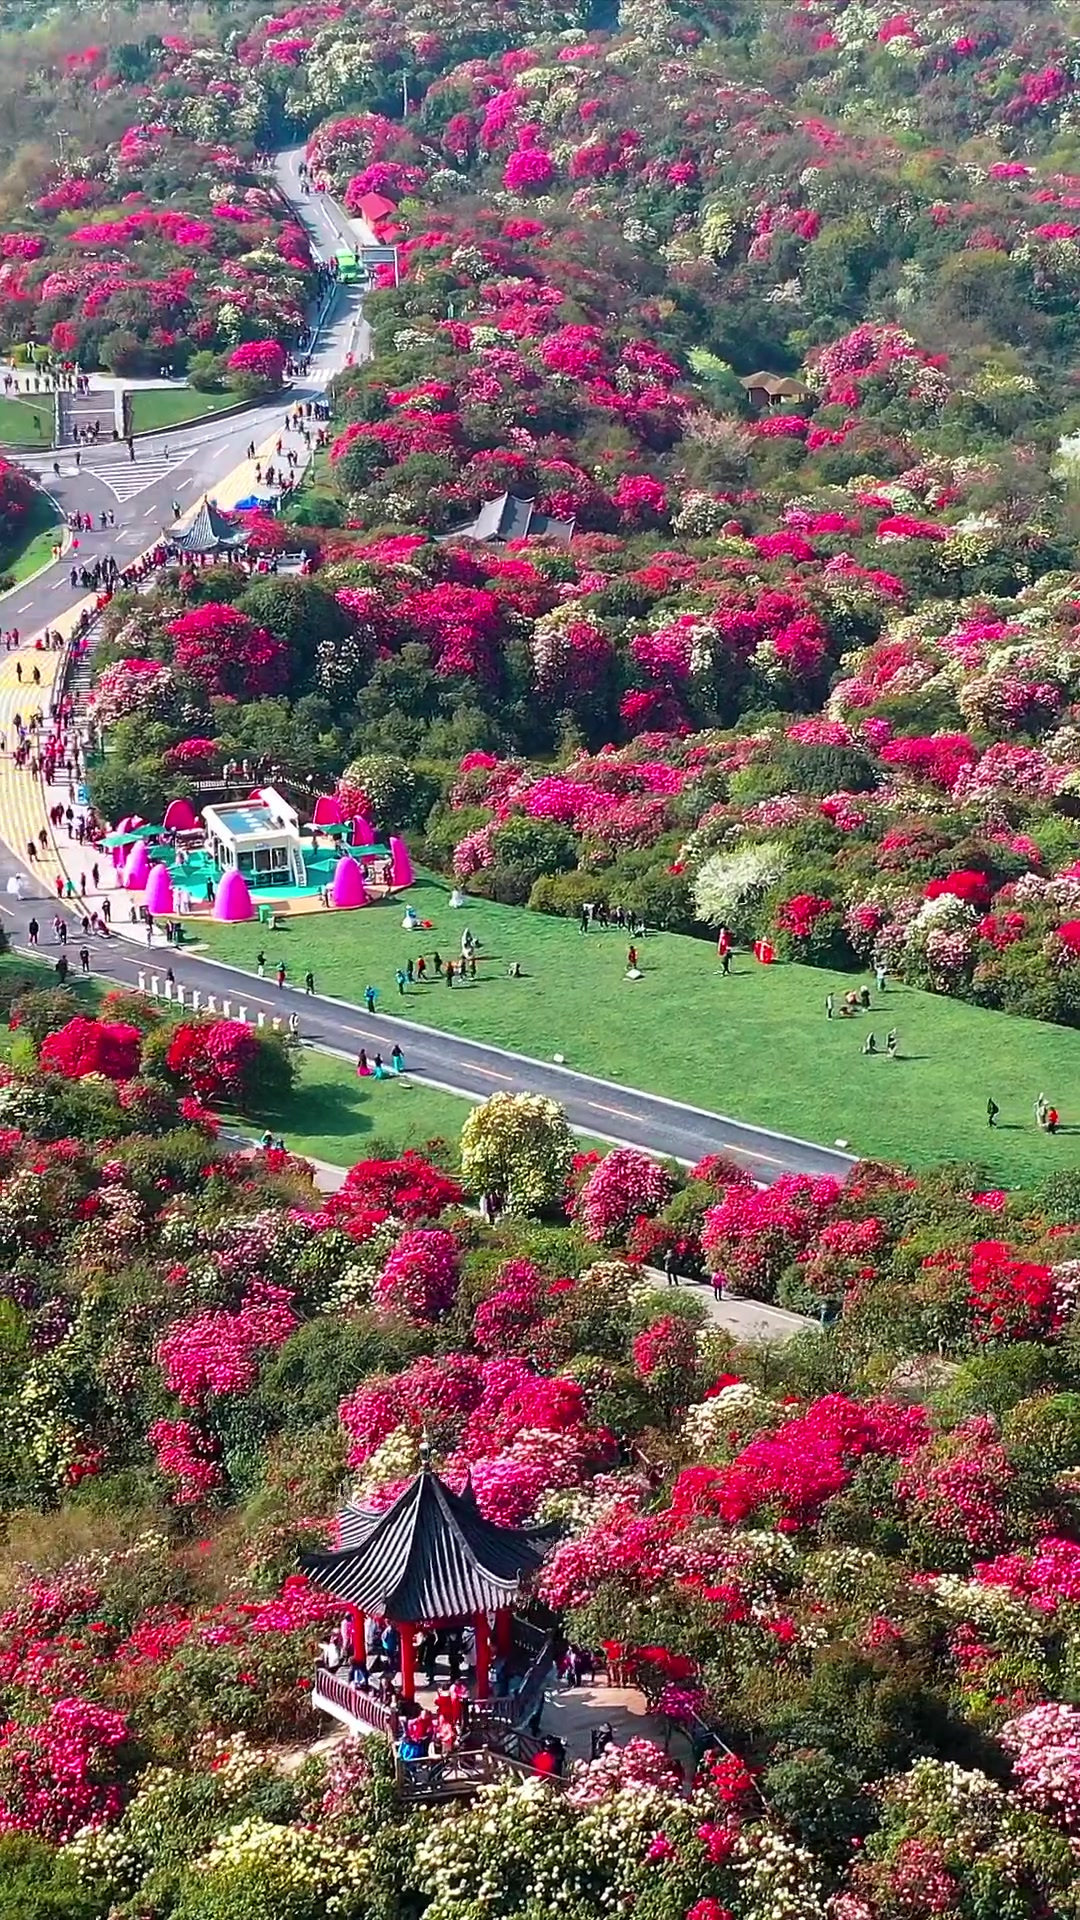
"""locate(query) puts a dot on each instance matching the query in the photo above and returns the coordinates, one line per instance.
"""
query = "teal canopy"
(134, 833)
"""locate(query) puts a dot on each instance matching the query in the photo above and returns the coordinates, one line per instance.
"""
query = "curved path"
(209, 457)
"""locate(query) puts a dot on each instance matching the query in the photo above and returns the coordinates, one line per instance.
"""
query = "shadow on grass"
(336, 1110)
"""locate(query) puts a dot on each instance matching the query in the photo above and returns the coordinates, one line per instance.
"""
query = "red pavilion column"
(504, 1632)
(408, 1662)
(483, 1653)
(358, 1626)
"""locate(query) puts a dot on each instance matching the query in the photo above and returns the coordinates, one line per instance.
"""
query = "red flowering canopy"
(213, 1060)
(110, 1048)
(227, 653)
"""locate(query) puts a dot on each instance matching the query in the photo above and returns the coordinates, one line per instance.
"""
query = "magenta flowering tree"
(65, 1771)
(225, 653)
(626, 1184)
(420, 1278)
(256, 368)
(530, 170)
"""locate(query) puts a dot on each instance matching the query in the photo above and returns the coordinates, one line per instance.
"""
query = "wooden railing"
(335, 1691)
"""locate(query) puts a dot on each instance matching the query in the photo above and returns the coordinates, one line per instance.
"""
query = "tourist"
(397, 1058)
(84, 959)
(671, 1267)
(513, 971)
(1051, 1119)
(830, 1003)
(260, 964)
(992, 1111)
(718, 1285)
(449, 973)
(362, 1068)
(869, 1044)
(880, 976)
(631, 958)
(294, 1026)
(421, 969)
(370, 997)
(1041, 1109)
(267, 1141)
(436, 961)
(409, 972)
(864, 999)
(309, 982)
(281, 974)
(400, 978)
(32, 931)
(891, 1043)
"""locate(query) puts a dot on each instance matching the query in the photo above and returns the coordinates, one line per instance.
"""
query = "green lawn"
(28, 421)
(335, 1116)
(154, 407)
(40, 534)
(756, 1045)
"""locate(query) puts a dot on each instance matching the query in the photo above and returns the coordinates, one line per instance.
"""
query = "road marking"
(25, 604)
(181, 484)
(623, 1113)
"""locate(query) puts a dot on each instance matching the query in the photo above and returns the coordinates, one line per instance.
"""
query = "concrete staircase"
(80, 411)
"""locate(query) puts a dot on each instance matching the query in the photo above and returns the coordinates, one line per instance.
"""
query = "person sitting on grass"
(869, 1044)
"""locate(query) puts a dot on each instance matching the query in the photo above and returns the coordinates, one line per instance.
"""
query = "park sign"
(372, 257)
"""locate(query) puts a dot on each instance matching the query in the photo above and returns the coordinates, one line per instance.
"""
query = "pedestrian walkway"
(125, 477)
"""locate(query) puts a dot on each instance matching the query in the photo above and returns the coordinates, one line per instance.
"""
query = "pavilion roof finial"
(425, 1452)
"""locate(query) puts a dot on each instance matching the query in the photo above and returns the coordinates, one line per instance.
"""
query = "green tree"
(519, 1146)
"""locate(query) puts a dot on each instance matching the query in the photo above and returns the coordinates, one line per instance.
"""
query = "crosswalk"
(125, 478)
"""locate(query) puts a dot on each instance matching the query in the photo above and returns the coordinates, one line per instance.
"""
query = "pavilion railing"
(354, 1701)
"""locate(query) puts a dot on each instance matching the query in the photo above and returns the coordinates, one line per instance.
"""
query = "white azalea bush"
(518, 1145)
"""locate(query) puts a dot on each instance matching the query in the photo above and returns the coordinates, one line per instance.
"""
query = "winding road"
(201, 459)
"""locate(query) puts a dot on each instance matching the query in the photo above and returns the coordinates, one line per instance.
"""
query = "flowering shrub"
(92, 1046)
(419, 1280)
(626, 1183)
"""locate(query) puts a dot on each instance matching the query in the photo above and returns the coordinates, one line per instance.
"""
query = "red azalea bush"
(214, 1059)
(625, 1184)
(65, 1771)
(226, 653)
(420, 1278)
(257, 367)
(409, 1188)
(84, 1046)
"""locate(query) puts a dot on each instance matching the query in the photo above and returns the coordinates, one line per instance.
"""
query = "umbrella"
(129, 839)
(255, 500)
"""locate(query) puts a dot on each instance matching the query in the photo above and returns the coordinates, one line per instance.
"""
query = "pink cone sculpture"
(363, 833)
(233, 901)
(401, 867)
(180, 817)
(159, 893)
(327, 812)
(348, 889)
(136, 868)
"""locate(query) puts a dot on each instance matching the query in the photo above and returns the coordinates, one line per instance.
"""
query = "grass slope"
(39, 535)
(756, 1045)
(154, 407)
(335, 1116)
(27, 422)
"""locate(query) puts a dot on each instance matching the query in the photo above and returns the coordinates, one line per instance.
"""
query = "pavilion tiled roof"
(209, 530)
(431, 1556)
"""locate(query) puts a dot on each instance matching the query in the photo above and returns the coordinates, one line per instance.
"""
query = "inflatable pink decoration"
(159, 893)
(136, 871)
(327, 812)
(401, 867)
(180, 817)
(233, 901)
(363, 833)
(348, 889)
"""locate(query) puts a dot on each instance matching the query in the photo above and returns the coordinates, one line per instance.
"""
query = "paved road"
(183, 463)
(446, 1060)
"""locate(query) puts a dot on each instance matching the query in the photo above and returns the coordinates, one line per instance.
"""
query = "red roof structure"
(374, 207)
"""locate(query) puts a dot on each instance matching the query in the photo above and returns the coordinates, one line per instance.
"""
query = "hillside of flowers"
(852, 1560)
(801, 662)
